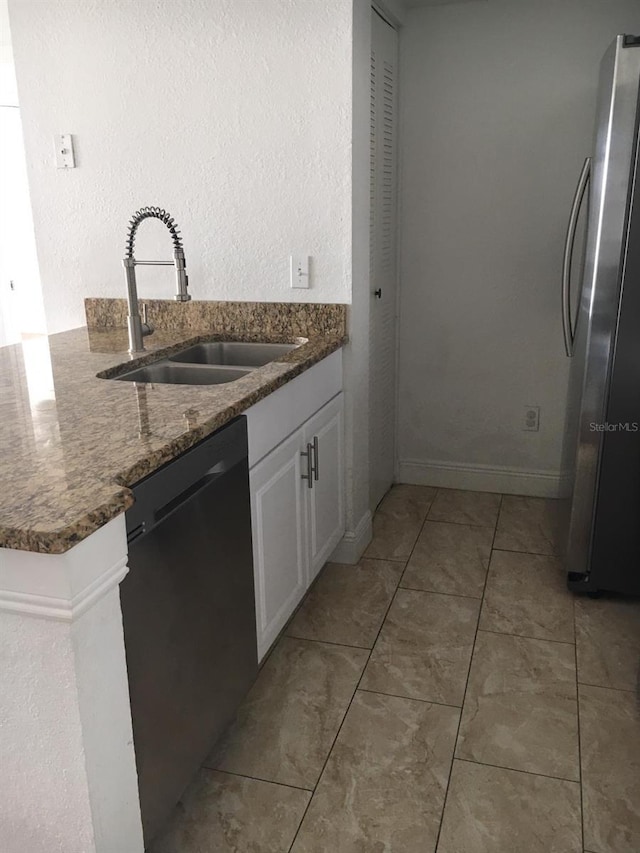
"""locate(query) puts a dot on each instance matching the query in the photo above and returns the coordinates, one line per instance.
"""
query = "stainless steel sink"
(184, 374)
(208, 363)
(239, 353)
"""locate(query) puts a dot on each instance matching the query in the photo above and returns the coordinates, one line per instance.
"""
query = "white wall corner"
(66, 738)
(354, 542)
(480, 478)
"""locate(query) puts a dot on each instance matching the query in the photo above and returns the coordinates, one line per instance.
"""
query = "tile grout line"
(438, 592)
(460, 523)
(307, 595)
(404, 562)
(283, 632)
(525, 637)
(519, 770)
(413, 548)
(257, 779)
(326, 642)
(603, 687)
(399, 560)
(530, 553)
(408, 698)
(400, 566)
(466, 686)
(384, 619)
(344, 717)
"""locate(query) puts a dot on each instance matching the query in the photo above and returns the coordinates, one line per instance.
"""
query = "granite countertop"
(72, 443)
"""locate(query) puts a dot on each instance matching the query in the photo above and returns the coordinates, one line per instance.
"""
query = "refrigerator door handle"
(568, 327)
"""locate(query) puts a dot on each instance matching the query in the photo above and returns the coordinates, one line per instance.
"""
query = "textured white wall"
(235, 115)
(44, 796)
(498, 104)
(8, 88)
(68, 782)
(21, 309)
(18, 258)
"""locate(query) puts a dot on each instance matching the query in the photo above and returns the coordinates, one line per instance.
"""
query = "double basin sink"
(212, 363)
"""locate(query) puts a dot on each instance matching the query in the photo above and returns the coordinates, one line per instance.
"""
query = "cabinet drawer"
(277, 416)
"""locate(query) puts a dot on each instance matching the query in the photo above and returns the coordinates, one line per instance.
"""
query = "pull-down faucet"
(138, 330)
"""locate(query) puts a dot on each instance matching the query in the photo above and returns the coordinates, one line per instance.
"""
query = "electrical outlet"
(531, 418)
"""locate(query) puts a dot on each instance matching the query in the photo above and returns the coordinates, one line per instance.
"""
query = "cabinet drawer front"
(279, 538)
(277, 416)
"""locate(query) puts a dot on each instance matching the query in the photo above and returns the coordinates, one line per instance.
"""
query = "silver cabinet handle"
(568, 327)
(309, 475)
(315, 457)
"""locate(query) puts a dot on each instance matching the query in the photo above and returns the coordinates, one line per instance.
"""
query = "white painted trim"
(64, 576)
(352, 545)
(60, 609)
(480, 478)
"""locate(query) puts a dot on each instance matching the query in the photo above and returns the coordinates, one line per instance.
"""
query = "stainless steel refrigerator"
(601, 322)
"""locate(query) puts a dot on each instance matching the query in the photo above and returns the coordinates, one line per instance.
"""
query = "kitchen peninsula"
(72, 446)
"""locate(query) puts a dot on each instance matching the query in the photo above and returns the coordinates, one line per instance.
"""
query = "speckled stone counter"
(72, 443)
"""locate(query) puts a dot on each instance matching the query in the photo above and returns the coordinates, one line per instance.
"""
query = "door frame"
(393, 20)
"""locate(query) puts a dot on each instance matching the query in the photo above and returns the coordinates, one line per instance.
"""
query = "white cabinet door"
(279, 537)
(325, 501)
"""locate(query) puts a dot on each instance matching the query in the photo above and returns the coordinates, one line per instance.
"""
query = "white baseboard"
(480, 478)
(354, 542)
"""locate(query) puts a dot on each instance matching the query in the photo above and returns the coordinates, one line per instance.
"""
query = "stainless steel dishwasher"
(188, 612)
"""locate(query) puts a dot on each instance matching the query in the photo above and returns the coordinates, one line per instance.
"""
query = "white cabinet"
(296, 522)
(279, 538)
(323, 434)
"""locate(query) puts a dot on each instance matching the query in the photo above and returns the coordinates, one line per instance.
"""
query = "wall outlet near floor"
(531, 418)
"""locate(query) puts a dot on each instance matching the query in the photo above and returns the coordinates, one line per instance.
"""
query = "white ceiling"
(415, 4)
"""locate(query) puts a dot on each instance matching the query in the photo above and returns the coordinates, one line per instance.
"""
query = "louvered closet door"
(382, 323)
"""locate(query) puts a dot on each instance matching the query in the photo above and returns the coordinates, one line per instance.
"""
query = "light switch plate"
(300, 271)
(65, 158)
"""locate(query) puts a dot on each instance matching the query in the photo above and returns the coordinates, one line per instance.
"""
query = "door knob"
(378, 293)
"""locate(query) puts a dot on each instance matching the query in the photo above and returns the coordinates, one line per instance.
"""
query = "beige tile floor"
(447, 694)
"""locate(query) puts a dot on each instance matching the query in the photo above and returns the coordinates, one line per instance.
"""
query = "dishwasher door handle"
(190, 492)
